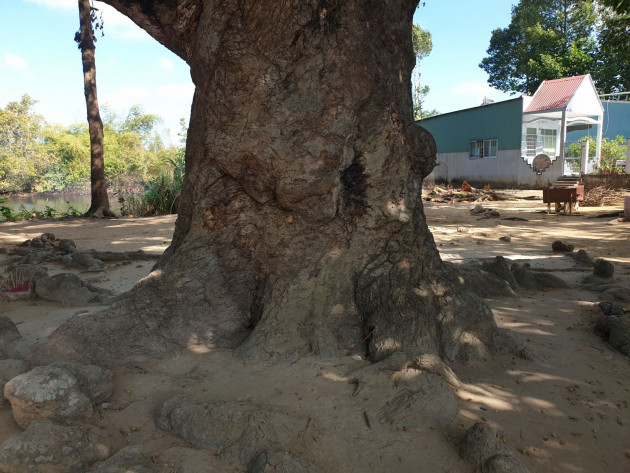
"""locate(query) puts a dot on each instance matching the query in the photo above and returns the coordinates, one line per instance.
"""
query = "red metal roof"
(554, 94)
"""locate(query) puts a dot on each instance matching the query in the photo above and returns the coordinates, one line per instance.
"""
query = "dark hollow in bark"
(301, 228)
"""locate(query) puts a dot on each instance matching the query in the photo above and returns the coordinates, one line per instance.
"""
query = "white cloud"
(166, 64)
(15, 62)
(475, 91)
(56, 4)
(116, 24)
(177, 91)
(125, 98)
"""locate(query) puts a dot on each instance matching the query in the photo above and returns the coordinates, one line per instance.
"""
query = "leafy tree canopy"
(422, 42)
(546, 39)
(422, 46)
(620, 6)
(37, 156)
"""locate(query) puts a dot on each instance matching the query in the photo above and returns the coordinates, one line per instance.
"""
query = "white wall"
(507, 170)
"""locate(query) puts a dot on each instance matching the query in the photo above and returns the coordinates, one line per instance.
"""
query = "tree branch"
(172, 23)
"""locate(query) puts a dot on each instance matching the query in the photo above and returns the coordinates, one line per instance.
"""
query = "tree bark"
(99, 205)
(301, 228)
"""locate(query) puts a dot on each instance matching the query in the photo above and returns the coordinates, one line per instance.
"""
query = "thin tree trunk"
(99, 206)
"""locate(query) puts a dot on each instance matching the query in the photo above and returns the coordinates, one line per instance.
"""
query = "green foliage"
(546, 39)
(613, 62)
(22, 154)
(422, 46)
(612, 151)
(620, 6)
(160, 196)
(39, 157)
(422, 42)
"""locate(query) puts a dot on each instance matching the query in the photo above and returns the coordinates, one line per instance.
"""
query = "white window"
(549, 138)
(532, 140)
(483, 149)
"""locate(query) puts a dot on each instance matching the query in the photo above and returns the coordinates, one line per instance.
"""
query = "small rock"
(484, 449)
(462, 230)
(96, 383)
(47, 237)
(47, 393)
(66, 288)
(37, 243)
(9, 369)
(506, 238)
(67, 246)
(603, 269)
(560, 245)
(582, 257)
(617, 329)
(478, 209)
(611, 308)
(67, 260)
(54, 448)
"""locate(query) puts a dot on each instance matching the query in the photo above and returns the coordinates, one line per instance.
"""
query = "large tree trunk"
(301, 228)
(99, 205)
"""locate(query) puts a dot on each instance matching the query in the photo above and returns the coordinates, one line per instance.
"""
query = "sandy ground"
(568, 410)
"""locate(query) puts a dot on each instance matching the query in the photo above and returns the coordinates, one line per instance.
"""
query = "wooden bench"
(562, 197)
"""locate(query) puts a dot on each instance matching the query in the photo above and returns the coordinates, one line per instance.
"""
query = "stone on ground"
(53, 448)
(563, 246)
(616, 328)
(603, 269)
(9, 369)
(611, 308)
(66, 288)
(485, 450)
(62, 393)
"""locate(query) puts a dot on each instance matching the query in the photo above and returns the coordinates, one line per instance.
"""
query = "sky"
(38, 57)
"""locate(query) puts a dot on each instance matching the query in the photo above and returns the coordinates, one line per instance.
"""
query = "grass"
(160, 196)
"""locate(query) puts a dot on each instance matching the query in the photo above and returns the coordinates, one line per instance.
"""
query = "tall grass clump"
(160, 196)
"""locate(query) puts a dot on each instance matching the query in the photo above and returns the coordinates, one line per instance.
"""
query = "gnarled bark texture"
(301, 228)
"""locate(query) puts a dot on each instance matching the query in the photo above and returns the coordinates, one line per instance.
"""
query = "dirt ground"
(567, 410)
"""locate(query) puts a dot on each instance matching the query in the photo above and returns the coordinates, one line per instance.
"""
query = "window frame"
(549, 136)
(482, 149)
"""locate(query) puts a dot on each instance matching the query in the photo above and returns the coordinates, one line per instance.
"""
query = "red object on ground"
(19, 287)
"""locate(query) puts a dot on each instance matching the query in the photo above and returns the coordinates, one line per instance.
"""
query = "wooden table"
(562, 197)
